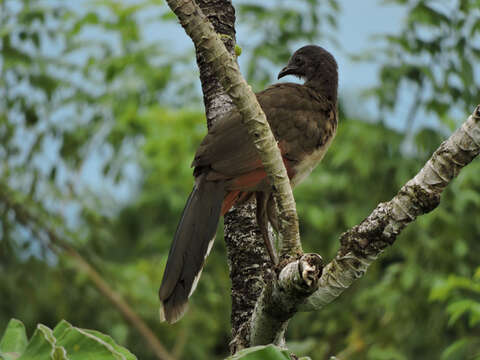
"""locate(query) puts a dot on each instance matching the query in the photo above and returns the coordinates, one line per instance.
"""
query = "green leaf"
(426, 15)
(60, 328)
(85, 344)
(268, 352)
(44, 82)
(238, 50)
(378, 352)
(476, 276)
(90, 18)
(65, 342)
(458, 308)
(456, 350)
(41, 346)
(108, 340)
(31, 117)
(475, 28)
(14, 340)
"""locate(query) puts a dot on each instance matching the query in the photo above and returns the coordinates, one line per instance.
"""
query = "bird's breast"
(304, 167)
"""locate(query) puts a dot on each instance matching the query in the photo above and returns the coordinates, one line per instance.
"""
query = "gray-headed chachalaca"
(228, 170)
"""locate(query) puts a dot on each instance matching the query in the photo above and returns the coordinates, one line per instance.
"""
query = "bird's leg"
(272, 212)
(262, 221)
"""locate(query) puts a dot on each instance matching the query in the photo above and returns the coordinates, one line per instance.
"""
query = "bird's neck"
(325, 86)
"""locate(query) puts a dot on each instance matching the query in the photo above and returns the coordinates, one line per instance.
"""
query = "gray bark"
(221, 14)
(250, 269)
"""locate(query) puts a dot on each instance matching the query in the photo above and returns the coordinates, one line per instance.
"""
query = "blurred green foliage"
(266, 352)
(99, 124)
(64, 342)
(434, 57)
(273, 29)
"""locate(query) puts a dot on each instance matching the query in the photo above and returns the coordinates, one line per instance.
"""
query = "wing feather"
(296, 114)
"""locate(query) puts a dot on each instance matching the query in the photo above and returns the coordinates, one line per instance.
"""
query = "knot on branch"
(368, 237)
(310, 267)
(300, 277)
(280, 299)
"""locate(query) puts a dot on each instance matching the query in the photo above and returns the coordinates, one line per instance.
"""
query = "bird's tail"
(190, 247)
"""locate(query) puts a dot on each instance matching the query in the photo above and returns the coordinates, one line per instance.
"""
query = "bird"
(228, 170)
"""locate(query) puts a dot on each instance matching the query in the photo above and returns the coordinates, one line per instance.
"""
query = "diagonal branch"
(362, 244)
(208, 42)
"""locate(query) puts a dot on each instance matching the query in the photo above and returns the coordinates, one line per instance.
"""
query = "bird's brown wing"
(300, 120)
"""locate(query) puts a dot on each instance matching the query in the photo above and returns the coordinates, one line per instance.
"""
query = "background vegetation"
(98, 125)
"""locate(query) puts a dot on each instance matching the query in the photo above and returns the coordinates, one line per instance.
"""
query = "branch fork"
(302, 283)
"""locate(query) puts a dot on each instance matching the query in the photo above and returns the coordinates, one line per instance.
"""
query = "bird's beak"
(287, 70)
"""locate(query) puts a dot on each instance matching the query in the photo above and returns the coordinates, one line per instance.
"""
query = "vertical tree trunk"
(221, 14)
(247, 258)
(249, 264)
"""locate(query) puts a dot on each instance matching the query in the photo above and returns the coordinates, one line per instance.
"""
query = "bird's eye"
(298, 61)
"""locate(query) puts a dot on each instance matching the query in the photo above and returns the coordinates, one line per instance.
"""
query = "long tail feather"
(191, 244)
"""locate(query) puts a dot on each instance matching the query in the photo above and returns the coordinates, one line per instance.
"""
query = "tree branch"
(365, 242)
(208, 42)
(362, 244)
(29, 219)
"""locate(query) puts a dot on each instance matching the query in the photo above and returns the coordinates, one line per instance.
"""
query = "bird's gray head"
(317, 67)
